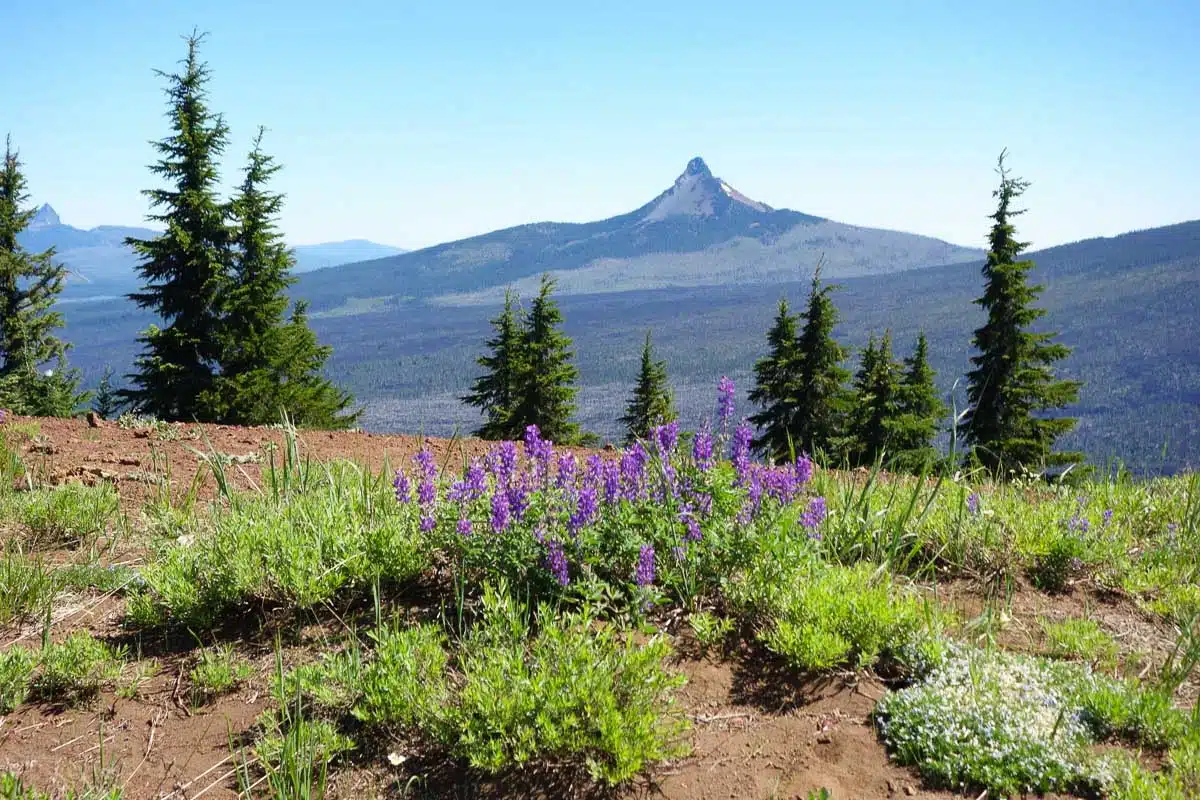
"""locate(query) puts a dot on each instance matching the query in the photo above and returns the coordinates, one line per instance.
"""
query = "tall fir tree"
(821, 420)
(921, 412)
(1013, 384)
(268, 364)
(876, 402)
(546, 395)
(29, 285)
(777, 387)
(184, 269)
(496, 391)
(652, 402)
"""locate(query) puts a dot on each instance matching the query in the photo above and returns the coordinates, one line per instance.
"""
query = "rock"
(94, 420)
(909, 790)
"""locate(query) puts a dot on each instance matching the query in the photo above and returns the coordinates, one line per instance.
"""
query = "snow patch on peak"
(46, 217)
(696, 193)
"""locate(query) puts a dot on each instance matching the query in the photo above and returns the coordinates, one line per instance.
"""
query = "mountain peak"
(697, 193)
(45, 217)
(697, 167)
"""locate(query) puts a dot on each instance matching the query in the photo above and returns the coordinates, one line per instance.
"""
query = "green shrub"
(68, 515)
(1127, 710)
(578, 692)
(405, 683)
(332, 684)
(16, 669)
(299, 553)
(73, 670)
(820, 616)
(1053, 568)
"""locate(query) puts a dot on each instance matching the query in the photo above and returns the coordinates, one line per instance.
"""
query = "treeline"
(232, 348)
(229, 350)
(888, 412)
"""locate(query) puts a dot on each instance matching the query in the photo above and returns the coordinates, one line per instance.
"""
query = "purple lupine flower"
(464, 526)
(680, 553)
(702, 449)
(1172, 530)
(803, 469)
(702, 502)
(427, 487)
(502, 461)
(539, 450)
(402, 487)
(724, 402)
(973, 502)
(473, 485)
(666, 437)
(539, 534)
(428, 523)
(780, 484)
(633, 469)
(585, 511)
(500, 510)
(566, 471)
(644, 576)
(518, 497)
(1079, 524)
(691, 524)
(594, 470)
(1108, 512)
(556, 562)
(741, 449)
(815, 514)
(612, 482)
(670, 485)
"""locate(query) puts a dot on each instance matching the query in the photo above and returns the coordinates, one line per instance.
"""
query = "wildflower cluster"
(549, 518)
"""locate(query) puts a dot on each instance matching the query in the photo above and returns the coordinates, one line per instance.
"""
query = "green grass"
(1080, 640)
(67, 516)
(27, 587)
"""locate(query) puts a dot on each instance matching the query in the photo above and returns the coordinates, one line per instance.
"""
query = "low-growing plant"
(73, 670)
(709, 629)
(819, 616)
(13, 788)
(27, 586)
(142, 672)
(218, 670)
(406, 684)
(1053, 568)
(991, 720)
(577, 692)
(16, 670)
(67, 515)
(1080, 640)
(334, 683)
(111, 578)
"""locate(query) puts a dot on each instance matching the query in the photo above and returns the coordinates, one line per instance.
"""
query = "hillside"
(1126, 304)
(101, 265)
(698, 232)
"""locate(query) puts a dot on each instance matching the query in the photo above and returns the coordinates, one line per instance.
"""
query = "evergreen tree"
(106, 403)
(921, 412)
(268, 364)
(821, 418)
(651, 403)
(546, 395)
(495, 393)
(777, 387)
(184, 269)
(29, 285)
(1012, 383)
(877, 406)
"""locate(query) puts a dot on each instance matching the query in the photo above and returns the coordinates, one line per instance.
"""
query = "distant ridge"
(700, 231)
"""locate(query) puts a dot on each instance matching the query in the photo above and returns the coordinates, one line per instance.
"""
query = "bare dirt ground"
(757, 731)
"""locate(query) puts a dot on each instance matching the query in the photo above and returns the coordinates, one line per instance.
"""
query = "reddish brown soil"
(757, 731)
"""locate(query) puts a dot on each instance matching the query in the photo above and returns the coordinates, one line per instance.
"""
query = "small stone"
(909, 790)
(94, 420)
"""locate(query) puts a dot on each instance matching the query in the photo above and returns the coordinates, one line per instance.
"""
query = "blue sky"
(416, 123)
